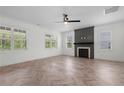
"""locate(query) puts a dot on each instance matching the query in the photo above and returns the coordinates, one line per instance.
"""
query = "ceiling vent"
(111, 10)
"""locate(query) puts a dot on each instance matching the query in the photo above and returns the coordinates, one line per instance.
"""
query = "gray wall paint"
(80, 41)
(84, 35)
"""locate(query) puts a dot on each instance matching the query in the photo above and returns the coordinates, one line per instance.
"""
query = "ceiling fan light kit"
(66, 19)
(65, 23)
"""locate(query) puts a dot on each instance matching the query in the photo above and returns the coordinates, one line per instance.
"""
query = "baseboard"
(34, 59)
(107, 60)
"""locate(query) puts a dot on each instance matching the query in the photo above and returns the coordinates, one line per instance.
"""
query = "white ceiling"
(47, 16)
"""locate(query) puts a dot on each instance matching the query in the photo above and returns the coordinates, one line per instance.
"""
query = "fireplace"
(83, 52)
(84, 42)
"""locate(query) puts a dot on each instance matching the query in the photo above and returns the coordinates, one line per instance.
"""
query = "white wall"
(67, 51)
(36, 49)
(35, 43)
(117, 52)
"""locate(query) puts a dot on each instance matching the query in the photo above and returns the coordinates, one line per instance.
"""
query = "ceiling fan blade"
(73, 21)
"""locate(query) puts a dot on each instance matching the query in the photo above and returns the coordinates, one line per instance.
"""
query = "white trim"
(12, 37)
(83, 48)
(105, 40)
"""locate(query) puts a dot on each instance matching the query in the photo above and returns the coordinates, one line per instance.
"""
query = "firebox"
(83, 52)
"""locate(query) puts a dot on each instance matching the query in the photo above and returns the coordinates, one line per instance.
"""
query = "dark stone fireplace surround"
(85, 38)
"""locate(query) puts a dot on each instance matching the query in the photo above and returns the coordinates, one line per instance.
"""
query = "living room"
(73, 40)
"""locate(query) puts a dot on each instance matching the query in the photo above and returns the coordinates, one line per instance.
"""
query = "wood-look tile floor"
(62, 71)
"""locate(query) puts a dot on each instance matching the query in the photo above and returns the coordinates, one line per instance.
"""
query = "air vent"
(111, 10)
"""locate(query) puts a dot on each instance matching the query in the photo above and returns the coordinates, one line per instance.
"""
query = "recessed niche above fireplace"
(84, 42)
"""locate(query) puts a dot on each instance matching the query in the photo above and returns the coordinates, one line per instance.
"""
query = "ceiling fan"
(66, 19)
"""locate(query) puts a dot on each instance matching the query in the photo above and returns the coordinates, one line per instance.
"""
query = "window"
(50, 41)
(5, 37)
(105, 40)
(10, 39)
(69, 43)
(19, 39)
(54, 42)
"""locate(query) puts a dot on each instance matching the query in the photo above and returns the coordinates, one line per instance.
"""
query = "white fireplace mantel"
(83, 48)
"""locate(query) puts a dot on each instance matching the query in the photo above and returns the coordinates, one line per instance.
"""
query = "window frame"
(47, 37)
(67, 41)
(5, 28)
(11, 29)
(51, 38)
(22, 39)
